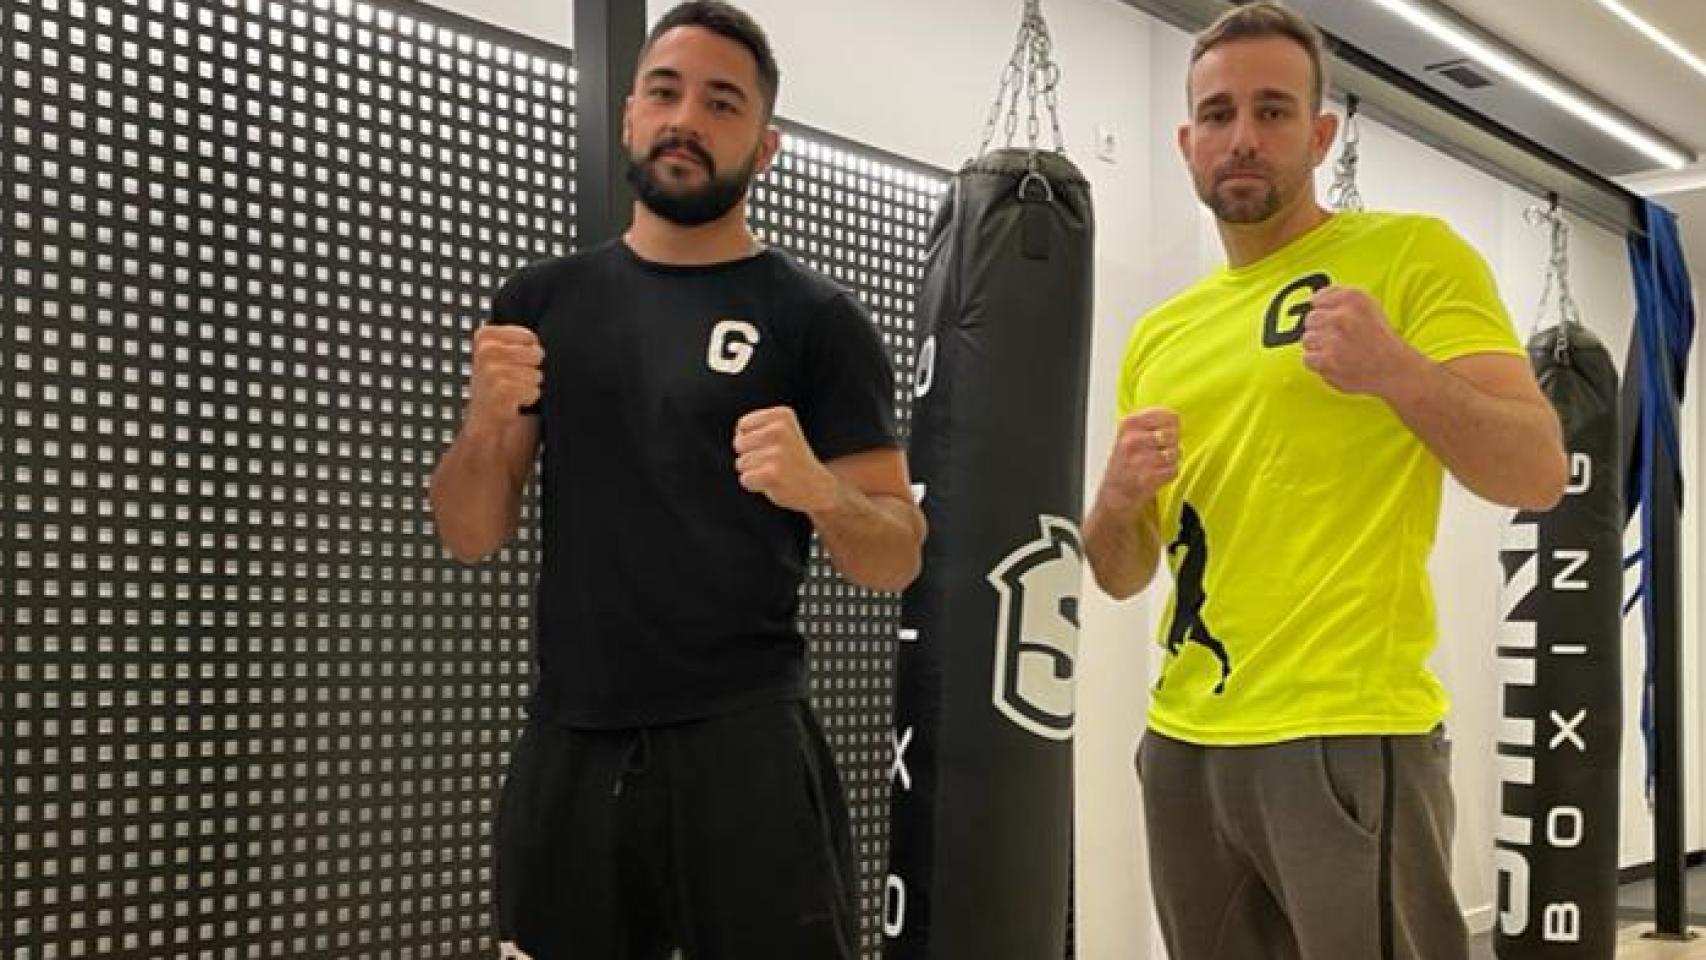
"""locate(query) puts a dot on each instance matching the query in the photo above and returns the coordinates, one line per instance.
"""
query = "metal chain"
(1030, 73)
(1012, 75)
(1343, 194)
(1557, 273)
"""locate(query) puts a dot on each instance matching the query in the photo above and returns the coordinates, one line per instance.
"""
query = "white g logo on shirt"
(731, 346)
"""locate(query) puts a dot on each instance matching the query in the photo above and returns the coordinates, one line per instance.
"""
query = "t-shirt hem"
(1367, 726)
(658, 715)
(847, 446)
(1457, 351)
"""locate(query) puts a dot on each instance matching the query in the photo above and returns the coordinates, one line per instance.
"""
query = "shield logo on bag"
(1036, 632)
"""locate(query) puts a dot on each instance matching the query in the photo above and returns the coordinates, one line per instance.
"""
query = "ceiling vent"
(1461, 72)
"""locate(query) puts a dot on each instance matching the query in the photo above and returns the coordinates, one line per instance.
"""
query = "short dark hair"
(1263, 20)
(728, 21)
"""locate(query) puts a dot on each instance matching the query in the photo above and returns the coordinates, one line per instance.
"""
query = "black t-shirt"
(667, 592)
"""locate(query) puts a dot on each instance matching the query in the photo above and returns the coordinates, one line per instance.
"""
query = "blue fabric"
(1664, 331)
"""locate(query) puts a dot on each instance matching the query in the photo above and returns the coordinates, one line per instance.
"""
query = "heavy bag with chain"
(981, 835)
(1559, 655)
(980, 841)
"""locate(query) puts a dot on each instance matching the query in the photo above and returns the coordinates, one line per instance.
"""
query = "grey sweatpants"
(1329, 848)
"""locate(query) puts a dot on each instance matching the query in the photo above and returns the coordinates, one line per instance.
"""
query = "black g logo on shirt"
(1283, 325)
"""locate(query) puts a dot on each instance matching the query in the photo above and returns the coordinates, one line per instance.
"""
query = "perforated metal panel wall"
(861, 218)
(247, 708)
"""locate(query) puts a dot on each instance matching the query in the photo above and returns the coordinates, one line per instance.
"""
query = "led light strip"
(1656, 35)
(1660, 184)
(1542, 86)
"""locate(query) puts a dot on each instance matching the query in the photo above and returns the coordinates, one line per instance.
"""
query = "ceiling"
(1606, 60)
(1583, 42)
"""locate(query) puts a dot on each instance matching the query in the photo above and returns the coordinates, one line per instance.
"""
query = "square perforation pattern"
(249, 710)
(861, 218)
(247, 707)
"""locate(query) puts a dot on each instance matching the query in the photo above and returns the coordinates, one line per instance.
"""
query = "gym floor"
(1630, 946)
(1635, 906)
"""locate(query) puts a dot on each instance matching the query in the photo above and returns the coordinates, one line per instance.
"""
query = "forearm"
(874, 541)
(476, 496)
(1507, 450)
(1123, 545)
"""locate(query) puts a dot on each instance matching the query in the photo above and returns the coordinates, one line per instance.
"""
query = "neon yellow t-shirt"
(1300, 523)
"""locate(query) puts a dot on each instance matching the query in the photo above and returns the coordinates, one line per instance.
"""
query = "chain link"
(1343, 194)
(1557, 274)
(1032, 75)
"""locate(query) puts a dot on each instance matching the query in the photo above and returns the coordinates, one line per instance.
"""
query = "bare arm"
(1488, 422)
(478, 484)
(861, 504)
(1123, 546)
(1482, 415)
(1122, 534)
(873, 530)
(477, 487)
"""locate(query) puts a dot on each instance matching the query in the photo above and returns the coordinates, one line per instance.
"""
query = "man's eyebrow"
(729, 87)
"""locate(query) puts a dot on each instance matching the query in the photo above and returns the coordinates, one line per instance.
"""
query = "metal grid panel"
(248, 709)
(861, 218)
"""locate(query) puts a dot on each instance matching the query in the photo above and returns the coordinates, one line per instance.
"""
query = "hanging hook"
(1557, 271)
(1548, 215)
(1343, 194)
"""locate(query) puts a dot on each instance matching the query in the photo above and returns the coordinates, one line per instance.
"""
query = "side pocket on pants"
(824, 793)
(511, 805)
(1354, 777)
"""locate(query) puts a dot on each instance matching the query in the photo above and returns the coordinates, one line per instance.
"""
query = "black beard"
(692, 207)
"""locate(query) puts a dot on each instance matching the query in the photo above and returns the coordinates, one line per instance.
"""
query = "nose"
(686, 118)
(1245, 137)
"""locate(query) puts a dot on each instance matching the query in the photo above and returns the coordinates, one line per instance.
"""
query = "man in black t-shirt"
(699, 405)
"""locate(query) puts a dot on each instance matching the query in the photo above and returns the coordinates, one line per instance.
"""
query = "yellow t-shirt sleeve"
(1126, 400)
(1447, 303)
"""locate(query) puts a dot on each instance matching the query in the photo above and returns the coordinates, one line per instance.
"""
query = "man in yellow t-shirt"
(1284, 427)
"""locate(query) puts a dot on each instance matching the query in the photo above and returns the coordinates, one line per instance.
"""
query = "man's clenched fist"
(1145, 458)
(773, 458)
(1348, 341)
(507, 374)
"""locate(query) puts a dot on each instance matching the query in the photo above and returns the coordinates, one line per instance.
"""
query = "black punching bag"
(1559, 659)
(981, 831)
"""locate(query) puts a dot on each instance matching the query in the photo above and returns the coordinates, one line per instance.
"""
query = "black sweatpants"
(718, 839)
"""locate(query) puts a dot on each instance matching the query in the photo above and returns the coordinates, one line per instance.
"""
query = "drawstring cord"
(635, 761)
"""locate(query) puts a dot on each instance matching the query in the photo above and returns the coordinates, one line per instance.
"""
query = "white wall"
(916, 79)
(551, 20)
